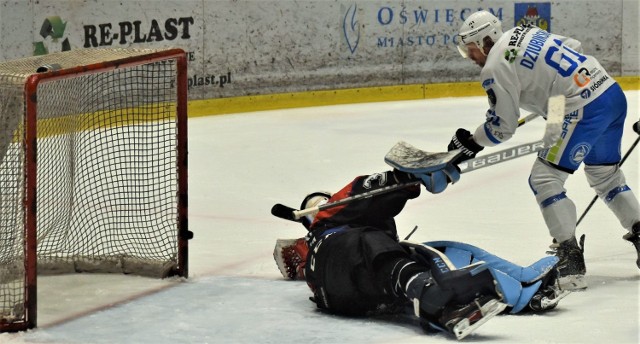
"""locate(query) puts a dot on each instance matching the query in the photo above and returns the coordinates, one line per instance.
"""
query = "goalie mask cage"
(93, 169)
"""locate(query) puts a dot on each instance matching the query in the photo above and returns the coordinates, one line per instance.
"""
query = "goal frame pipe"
(30, 170)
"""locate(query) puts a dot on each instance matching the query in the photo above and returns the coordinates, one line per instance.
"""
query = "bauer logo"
(52, 33)
(498, 157)
(137, 31)
(538, 14)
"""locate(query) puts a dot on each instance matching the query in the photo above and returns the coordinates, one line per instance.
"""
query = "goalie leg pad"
(508, 288)
(466, 283)
(521, 285)
(461, 254)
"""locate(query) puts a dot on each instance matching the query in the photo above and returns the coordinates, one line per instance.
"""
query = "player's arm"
(501, 117)
(503, 94)
(371, 210)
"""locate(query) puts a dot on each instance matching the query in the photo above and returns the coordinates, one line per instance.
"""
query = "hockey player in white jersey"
(521, 69)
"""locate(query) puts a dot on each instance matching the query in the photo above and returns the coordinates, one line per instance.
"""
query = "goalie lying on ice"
(355, 264)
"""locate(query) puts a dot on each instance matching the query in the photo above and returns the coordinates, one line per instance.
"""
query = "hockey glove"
(436, 182)
(464, 141)
(636, 127)
(291, 257)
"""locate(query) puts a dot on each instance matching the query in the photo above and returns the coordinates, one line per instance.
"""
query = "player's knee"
(607, 180)
(547, 183)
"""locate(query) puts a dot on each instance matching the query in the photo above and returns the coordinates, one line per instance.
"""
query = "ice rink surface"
(240, 165)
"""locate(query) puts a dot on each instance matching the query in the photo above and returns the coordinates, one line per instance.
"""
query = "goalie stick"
(417, 157)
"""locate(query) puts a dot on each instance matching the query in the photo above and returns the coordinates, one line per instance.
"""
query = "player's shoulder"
(518, 36)
(496, 58)
(508, 48)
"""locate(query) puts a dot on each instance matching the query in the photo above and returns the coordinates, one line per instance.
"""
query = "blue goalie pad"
(525, 296)
(518, 284)
(508, 287)
(461, 254)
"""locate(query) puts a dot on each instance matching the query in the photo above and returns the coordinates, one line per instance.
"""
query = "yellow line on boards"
(207, 107)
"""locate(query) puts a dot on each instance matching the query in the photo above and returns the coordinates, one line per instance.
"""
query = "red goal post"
(93, 169)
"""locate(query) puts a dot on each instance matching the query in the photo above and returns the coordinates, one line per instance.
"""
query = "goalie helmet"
(313, 200)
(478, 26)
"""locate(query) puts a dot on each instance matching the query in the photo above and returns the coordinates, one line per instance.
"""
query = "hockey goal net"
(93, 177)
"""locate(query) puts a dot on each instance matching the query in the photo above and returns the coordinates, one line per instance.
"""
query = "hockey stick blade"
(408, 158)
(283, 212)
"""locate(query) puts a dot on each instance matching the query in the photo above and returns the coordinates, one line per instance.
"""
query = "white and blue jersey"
(525, 67)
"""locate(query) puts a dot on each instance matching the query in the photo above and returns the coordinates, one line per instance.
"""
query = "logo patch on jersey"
(582, 77)
(598, 83)
(579, 152)
(585, 94)
(487, 82)
(380, 177)
(519, 33)
(510, 55)
(538, 14)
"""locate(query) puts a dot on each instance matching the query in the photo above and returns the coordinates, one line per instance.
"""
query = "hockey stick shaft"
(527, 118)
(471, 165)
(595, 198)
(505, 154)
(501, 156)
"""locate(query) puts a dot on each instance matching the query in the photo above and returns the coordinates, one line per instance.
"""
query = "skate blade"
(547, 303)
(572, 283)
(489, 310)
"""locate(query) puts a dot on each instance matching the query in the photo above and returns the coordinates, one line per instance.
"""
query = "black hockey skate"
(571, 266)
(464, 319)
(634, 238)
(455, 301)
(549, 294)
(547, 298)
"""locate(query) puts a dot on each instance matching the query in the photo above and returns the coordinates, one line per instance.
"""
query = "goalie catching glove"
(463, 140)
(291, 257)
